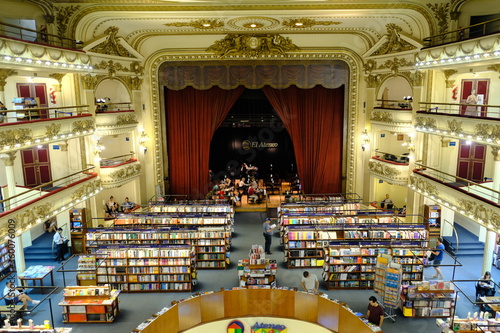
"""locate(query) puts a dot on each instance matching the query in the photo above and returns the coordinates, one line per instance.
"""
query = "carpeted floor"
(137, 307)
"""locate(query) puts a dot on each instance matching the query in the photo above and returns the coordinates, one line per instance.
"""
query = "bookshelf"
(86, 275)
(212, 248)
(90, 304)
(146, 268)
(5, 264)
(206, 207)
(174, 219)
(428, 299)
(257, 272)
(78, 225)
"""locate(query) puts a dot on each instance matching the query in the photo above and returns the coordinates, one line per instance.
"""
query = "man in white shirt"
(310, 282)
(59, 243)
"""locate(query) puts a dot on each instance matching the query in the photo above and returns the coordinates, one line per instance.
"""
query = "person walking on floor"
(59, 242)
(375, 312)
(268, 234)
(439, 254)
(310, 282)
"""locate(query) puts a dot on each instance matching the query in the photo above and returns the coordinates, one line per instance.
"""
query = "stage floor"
(273, 201)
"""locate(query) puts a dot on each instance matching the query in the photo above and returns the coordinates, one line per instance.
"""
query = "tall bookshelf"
(86, 275)
(5, 263)
(90, 304)
(143, 268)
(78, 225)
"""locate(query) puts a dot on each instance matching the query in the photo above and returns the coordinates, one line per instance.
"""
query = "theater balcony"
(46, 125)
(461, 121)
(389, 167)
(115, 118)
(28, 207)
(477, 201)
(119, 170)
(393, 115)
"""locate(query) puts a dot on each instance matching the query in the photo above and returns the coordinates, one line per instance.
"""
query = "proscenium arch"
(353, 62)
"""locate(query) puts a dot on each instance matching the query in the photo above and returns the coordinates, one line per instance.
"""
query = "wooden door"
(37, 90)
(471, 161)
(36, 166)
(481, 86)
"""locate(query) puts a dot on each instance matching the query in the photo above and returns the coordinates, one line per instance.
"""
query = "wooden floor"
(273, 201)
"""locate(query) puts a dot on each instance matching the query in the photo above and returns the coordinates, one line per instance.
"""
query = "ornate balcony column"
(496, 169)
(8, 161)
(489, 247)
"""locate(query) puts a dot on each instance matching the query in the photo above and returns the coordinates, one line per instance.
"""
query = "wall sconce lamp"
(142, 140)
(365, 137)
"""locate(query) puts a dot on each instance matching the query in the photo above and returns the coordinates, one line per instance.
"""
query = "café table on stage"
(35, 273)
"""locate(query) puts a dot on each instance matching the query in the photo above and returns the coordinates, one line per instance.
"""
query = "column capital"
(495, 153)
(8, 158)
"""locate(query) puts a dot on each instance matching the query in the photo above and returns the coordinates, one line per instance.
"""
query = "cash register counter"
(233, 304)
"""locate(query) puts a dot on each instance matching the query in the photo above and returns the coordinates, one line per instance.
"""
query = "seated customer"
(129, 206)
(13, 295)
(485, 286)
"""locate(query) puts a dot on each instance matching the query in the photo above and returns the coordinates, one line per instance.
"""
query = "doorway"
(471, 161)
(36, 166)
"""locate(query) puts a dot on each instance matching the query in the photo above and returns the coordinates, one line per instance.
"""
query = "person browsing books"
(268, 234)
(310, 282)
(375, 312)
(60, 243)
(439, 254)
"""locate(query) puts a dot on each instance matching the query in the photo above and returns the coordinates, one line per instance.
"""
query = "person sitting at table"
(252, 196)
(14, 295)
(485, 286)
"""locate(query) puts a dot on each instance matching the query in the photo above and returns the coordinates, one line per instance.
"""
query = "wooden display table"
(90, 304)
(36, 273)
(493, 302)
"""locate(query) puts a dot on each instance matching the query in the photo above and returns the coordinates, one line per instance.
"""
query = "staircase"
(468, 243)
(40, 249)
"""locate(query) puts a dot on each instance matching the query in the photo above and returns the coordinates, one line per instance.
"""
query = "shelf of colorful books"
(213, 248)
(173, 219)
(5, 263)
(257, 272)
(428, 299)
(471, 325)
(207, 207)
(86, 275)
(146, 267)
(90, 304)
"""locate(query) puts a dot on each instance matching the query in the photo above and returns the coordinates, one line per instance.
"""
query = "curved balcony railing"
(25, 197)
(37, 36)
(461, 109)
(31, 114)
(478, 190)
(113, 107)
(115, 161)
(391, 158)
(394, 104)
(460, 34)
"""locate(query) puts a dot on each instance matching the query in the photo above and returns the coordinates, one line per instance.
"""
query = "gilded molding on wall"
(487, 131)
(4, 74)
(481, 212)
(52, 130)
(57, 76)
(132, 83)
(198, 24)
(455, 126)
(8, 158)
(137, 68)
(63, 16)
(252, 45)
(15, 136)
(395, 64)
(383, 169)
(80, 126)
(394, 42)
(495, 68)
(86, 189)
(306, 23)
(126, 119)
(372, 81)
(425, 122)
(449, 83)
(111, 45)
(423, 185)
(441, 13)
(417, 79)
(449, 72)
(382, 116)
(111, 66)
(29, 216)
(90, 81)
(369, 66)
(125, 173)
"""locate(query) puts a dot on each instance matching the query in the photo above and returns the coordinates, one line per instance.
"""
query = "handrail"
(461, 104)
(48, 108)
(36, 36)
(107, 161)
(107, 107)
(462, 33)
(461, 109)
(395, 100)
(45, 184)
(383, 152)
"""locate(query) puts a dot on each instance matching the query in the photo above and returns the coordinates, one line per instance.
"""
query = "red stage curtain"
(314, 120)
(192, 118)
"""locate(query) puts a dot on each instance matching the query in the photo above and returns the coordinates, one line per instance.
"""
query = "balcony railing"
(391, 158)
(460, 34)
(479, 190)
(117, 160)
(30, 114)
(395, 104)
(461, 109)
(36, 36)
(40, 191)
(113, 107)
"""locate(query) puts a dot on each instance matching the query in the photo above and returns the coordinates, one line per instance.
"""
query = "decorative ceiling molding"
(441, 13)
(198, 24)
(396, 175)
(63, 17)
(253, 46)
(112, 45)
(394, 42)
(253, 23)
(299, 23)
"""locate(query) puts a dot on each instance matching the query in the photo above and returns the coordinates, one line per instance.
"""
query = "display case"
(90, 304)
(78, 225)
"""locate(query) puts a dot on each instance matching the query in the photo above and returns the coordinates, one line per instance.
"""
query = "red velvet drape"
(192, 118)
(314, 120)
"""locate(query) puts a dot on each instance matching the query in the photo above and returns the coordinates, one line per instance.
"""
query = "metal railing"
(463, 184)
(115, 160)
(390, 157)
(29, 114)
(404, 104)
(36, 36)
(16, 200)
(461, 109)
(113, 107)
(460, 34)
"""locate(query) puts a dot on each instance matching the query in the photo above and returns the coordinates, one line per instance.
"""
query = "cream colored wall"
(395, 88)
(117, 145)
(114, 90)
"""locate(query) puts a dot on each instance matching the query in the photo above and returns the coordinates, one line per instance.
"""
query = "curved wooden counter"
(239, 303)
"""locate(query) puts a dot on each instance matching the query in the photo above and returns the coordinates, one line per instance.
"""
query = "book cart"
(90, 304)
(428, 299)
(388, 284)
(257, 272)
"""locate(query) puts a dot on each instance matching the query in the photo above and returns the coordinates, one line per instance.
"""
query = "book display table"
(36, 273)
(90, 304)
